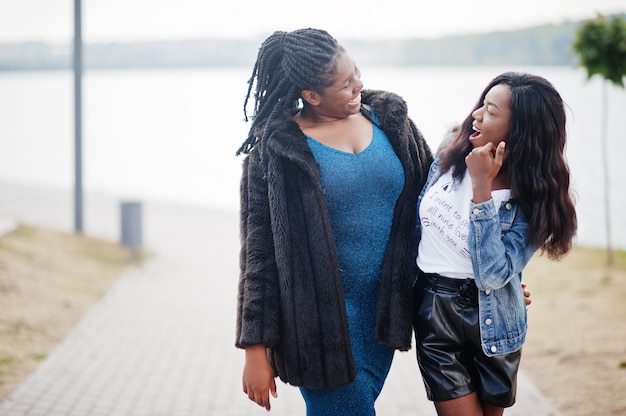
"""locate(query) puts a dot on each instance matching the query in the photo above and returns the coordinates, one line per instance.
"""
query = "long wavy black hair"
(286, 64)
(537, 167)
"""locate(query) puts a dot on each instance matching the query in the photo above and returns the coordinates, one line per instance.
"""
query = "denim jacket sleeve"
(497, 243)
(499, 252)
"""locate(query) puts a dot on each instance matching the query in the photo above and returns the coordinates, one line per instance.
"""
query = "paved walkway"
(160, 343)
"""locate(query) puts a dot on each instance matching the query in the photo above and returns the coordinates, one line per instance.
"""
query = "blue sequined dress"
(361, 192)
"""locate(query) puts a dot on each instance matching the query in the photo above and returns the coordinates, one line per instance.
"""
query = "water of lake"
(172, 134)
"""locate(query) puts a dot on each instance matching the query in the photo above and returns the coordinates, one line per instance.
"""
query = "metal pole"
(78, 148)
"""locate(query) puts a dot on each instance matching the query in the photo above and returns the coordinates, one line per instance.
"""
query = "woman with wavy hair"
(499, 191)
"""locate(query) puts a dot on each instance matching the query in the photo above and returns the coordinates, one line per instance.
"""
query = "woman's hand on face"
(483, 164)
(258, 377)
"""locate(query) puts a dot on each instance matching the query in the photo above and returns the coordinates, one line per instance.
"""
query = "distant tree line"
(539, 45)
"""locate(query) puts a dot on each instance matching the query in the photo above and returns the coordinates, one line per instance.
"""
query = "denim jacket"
(499, 253)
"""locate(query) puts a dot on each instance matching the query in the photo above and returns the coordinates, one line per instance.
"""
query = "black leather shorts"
(449, 353)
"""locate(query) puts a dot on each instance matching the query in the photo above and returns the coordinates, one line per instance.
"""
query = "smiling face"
(492, 119)
(342, 97)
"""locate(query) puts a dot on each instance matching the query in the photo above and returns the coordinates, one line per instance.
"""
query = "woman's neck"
(502, 179)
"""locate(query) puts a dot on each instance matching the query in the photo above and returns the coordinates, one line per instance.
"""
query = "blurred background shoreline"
(164, 84)
(548, 44)
(170, 134)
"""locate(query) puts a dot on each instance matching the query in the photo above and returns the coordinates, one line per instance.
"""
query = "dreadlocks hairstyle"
(539, 173)
(287, 63)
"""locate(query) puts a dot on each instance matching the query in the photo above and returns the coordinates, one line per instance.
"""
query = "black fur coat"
(290, 290)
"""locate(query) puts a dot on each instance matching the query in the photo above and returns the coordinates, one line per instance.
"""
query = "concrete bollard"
(131, 222)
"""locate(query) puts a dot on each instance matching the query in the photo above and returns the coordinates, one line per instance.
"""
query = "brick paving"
(160, 343)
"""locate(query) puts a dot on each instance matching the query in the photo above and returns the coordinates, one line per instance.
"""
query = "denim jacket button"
(494, 349)
(476, 211)
(487, 292)
(488, 321)
(508, 205)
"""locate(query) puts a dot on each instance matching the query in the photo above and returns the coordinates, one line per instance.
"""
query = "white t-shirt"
(444, 217)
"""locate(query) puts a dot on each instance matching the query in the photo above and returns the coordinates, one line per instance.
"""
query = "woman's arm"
(497, 255)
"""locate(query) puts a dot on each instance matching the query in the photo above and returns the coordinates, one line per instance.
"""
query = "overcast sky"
(123, 20)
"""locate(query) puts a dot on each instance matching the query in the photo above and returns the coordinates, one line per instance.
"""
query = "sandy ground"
(48, 280)
(575, 352)
(576, 347)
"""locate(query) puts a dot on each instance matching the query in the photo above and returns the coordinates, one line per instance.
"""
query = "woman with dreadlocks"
(328, 197)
